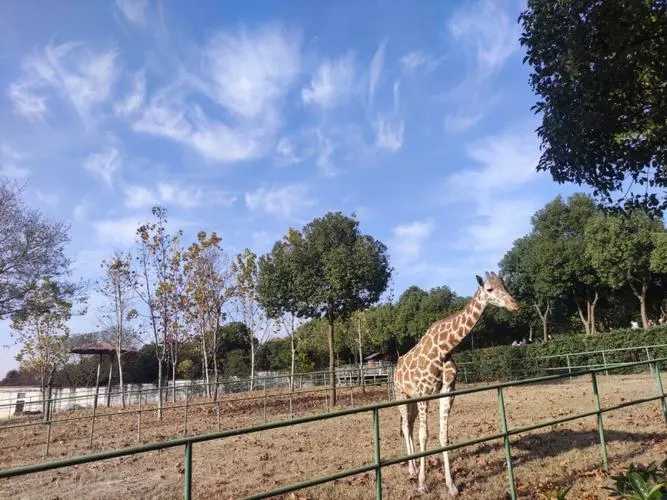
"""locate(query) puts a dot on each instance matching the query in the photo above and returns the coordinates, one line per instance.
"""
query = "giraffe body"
(428, 369)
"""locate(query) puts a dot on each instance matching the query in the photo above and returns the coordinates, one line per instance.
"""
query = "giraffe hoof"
(453, 491)
(422, 489)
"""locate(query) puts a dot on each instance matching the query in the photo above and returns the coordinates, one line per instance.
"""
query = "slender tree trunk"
(591, 317)
(109, 382)
(205, 360)
(292, 362)
(332, 368)
(119, 357)
(252, 362)
(215, 359)
(159, 389)
(641, 296)
(582, 317)
(544, 316)
(362, 379)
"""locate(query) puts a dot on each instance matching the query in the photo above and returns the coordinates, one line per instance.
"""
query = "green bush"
(508, 363)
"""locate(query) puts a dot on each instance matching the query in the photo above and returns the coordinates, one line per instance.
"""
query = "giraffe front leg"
(406, 430)
(423, 436)
(445, 406)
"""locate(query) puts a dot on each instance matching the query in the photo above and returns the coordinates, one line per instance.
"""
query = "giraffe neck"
(468, 318)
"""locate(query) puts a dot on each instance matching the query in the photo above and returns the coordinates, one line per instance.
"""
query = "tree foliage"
(31, 250)
(600, 72)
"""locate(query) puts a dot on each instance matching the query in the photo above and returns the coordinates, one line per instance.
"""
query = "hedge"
(510, 363)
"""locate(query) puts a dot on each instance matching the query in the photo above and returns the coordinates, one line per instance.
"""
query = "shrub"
(507, 362)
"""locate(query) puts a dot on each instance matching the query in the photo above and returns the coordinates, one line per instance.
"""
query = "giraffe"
(428, 368)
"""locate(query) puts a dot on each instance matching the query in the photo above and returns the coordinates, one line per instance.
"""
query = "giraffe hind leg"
(408, 413)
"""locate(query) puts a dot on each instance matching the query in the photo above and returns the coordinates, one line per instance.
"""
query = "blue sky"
(247, 118)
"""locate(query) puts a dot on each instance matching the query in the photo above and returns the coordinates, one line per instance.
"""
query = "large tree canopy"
(600, 71)
(31, 250)
(342, 271)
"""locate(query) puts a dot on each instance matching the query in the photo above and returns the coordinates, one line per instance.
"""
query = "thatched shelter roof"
(98, 347)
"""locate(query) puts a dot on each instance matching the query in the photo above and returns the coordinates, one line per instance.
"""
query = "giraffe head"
(494, 291)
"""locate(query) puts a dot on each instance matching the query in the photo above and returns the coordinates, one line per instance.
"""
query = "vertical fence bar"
(569, 365)
(217, 414)
(506, 440)
(661, 390)
(603, 444)
(604, 363)
(648, 358)
(187, 466)
(376, 453)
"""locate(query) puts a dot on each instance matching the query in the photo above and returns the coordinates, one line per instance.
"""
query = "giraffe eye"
(489, 289)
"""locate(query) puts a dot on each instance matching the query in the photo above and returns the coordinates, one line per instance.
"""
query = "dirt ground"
(553, 458)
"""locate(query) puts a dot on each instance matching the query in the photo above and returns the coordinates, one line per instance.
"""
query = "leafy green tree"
(32, 249)
(621, 248)
(342, 271)
(561, 254)
(41, 329)
(160, 288)
(277, 288)
(600, 73)
(117, 285)
(245, 270)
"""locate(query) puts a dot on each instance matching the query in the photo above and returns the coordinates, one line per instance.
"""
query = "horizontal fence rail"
(378, 463)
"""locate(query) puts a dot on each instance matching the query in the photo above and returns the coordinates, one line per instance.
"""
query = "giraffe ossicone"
(428, 368)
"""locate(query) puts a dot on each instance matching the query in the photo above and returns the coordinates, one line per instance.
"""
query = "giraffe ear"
(479, 280)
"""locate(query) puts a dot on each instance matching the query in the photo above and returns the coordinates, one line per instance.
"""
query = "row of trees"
(579, 256)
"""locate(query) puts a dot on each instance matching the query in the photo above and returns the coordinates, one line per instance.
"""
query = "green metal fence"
(378, 463)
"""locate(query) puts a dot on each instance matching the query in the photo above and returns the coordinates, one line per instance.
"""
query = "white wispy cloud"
(286, 152)
(168, 116)
(496, 191)
(82, 76)
(408, 240)
(104, 165)
(418, 60)
(375, 70)
(26, 101)
(133, 101)
(245, 75)
(389, 134)
(332, 84)
(117, 232)
(175, 194)
(133, 10)
(285, 201)
(251, 71)
(486, 31)
(46, 198)
(487, 28)
(10, 163)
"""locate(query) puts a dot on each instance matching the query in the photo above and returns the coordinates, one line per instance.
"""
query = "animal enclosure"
(239, 465)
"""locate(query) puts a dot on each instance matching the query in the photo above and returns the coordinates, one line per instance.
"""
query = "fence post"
(604, 363)
(187, 479)
(92, 426)
(661, 390)
(187, 401)
(48, 438)
(465, 374)
(139, 417)
(264, 398)
(603, 444)
(376, 453)
(506, 439)
(569, 365)
(648, 358)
